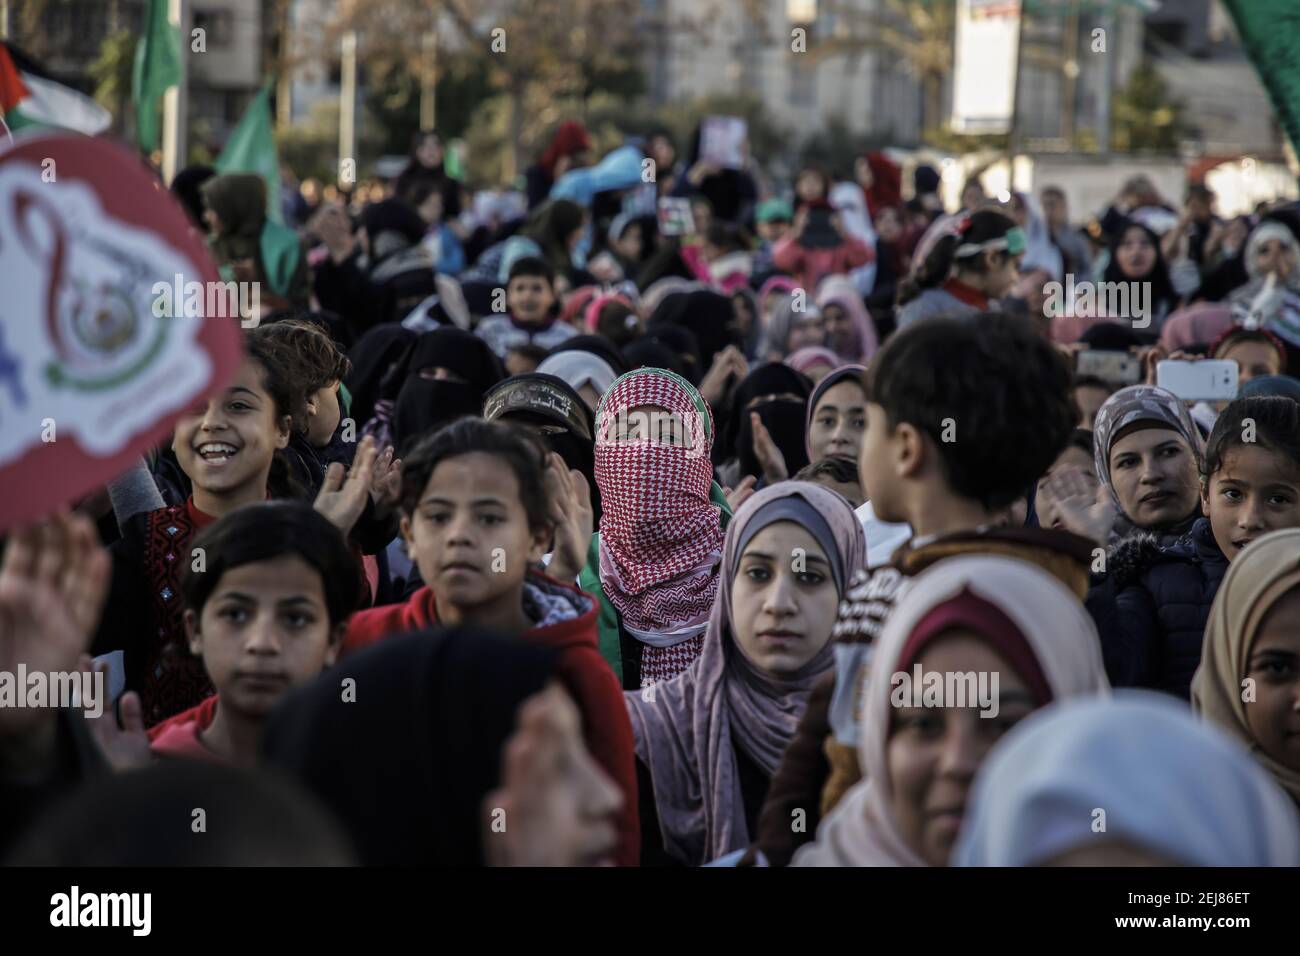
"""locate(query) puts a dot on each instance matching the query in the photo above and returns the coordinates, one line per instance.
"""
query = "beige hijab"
(1255, 581)
(862, 831)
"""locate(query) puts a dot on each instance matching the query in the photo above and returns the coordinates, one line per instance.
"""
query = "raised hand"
(1080, 502)
(728, 366)
(569, 500)
(53, 584)
(124, 746)
(386, 482)
(341, 499)
(765, 450)
(741, 493)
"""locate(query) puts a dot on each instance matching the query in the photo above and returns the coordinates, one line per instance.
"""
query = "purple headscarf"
(850, 372)
(687, 734)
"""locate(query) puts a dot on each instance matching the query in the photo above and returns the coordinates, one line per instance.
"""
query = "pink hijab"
(1197, 324)
(839, 290)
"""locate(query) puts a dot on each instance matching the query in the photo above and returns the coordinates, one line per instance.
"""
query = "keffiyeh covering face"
(1051, 623)
(1170, 784)
(660, 535)
(1140, 403)
(1256, 580)
(687, 734)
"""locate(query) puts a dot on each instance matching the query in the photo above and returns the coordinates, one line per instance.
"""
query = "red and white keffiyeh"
(660, 535)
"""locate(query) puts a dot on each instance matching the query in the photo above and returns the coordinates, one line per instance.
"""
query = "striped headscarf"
(660, 535)
(1140, 403)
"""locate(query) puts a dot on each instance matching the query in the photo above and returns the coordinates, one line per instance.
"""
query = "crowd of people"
(538, 527)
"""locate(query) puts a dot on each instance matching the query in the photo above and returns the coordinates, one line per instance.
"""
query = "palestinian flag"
(29, 97)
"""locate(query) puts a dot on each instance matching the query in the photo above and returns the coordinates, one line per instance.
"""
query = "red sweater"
(178, 736)
(585, 673)
(809, 266)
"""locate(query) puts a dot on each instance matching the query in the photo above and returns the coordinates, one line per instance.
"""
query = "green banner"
(1270, 32)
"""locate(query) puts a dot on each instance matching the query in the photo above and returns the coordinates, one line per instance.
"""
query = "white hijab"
(1166, 781)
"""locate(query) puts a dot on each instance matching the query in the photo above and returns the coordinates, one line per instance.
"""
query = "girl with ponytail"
(967, 261)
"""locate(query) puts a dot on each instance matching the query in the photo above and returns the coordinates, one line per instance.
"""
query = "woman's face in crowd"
(1274, 665)
(810, 186)
(226, 446)
(1089, 399)
(431, 209)
(862, 173)
(429, 152)
(1136, 254)
(550, 779)
(702, 213)
(663, 153)
(1276, 257)
(469, 534)
(972, 196)
(1154, 475)
(838, 422)
(933, 752)
(888, 226)
(264, 630)
(840, 333)
(629, 244)
(1254, 359)
(783, 599)
(742, 317)
(1253, 492)
(1001, 274)
(809, 328)
(1234, 236)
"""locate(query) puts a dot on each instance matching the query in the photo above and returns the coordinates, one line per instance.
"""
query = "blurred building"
(729, 47)
(871, 66)
(70, 34)
(1225, 106)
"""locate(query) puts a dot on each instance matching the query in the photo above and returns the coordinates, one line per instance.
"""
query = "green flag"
(1270, 32)
(157, 66)
(251, 149)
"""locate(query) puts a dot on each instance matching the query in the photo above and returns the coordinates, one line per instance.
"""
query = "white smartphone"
(1208, 380)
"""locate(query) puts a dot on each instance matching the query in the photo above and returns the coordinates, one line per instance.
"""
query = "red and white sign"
(91, 375)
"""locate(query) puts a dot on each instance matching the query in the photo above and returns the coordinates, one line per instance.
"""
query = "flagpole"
(176, 99)
(428, 116)
(347, 107)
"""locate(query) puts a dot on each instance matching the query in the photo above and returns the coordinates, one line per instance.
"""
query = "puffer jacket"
(1151, 606)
